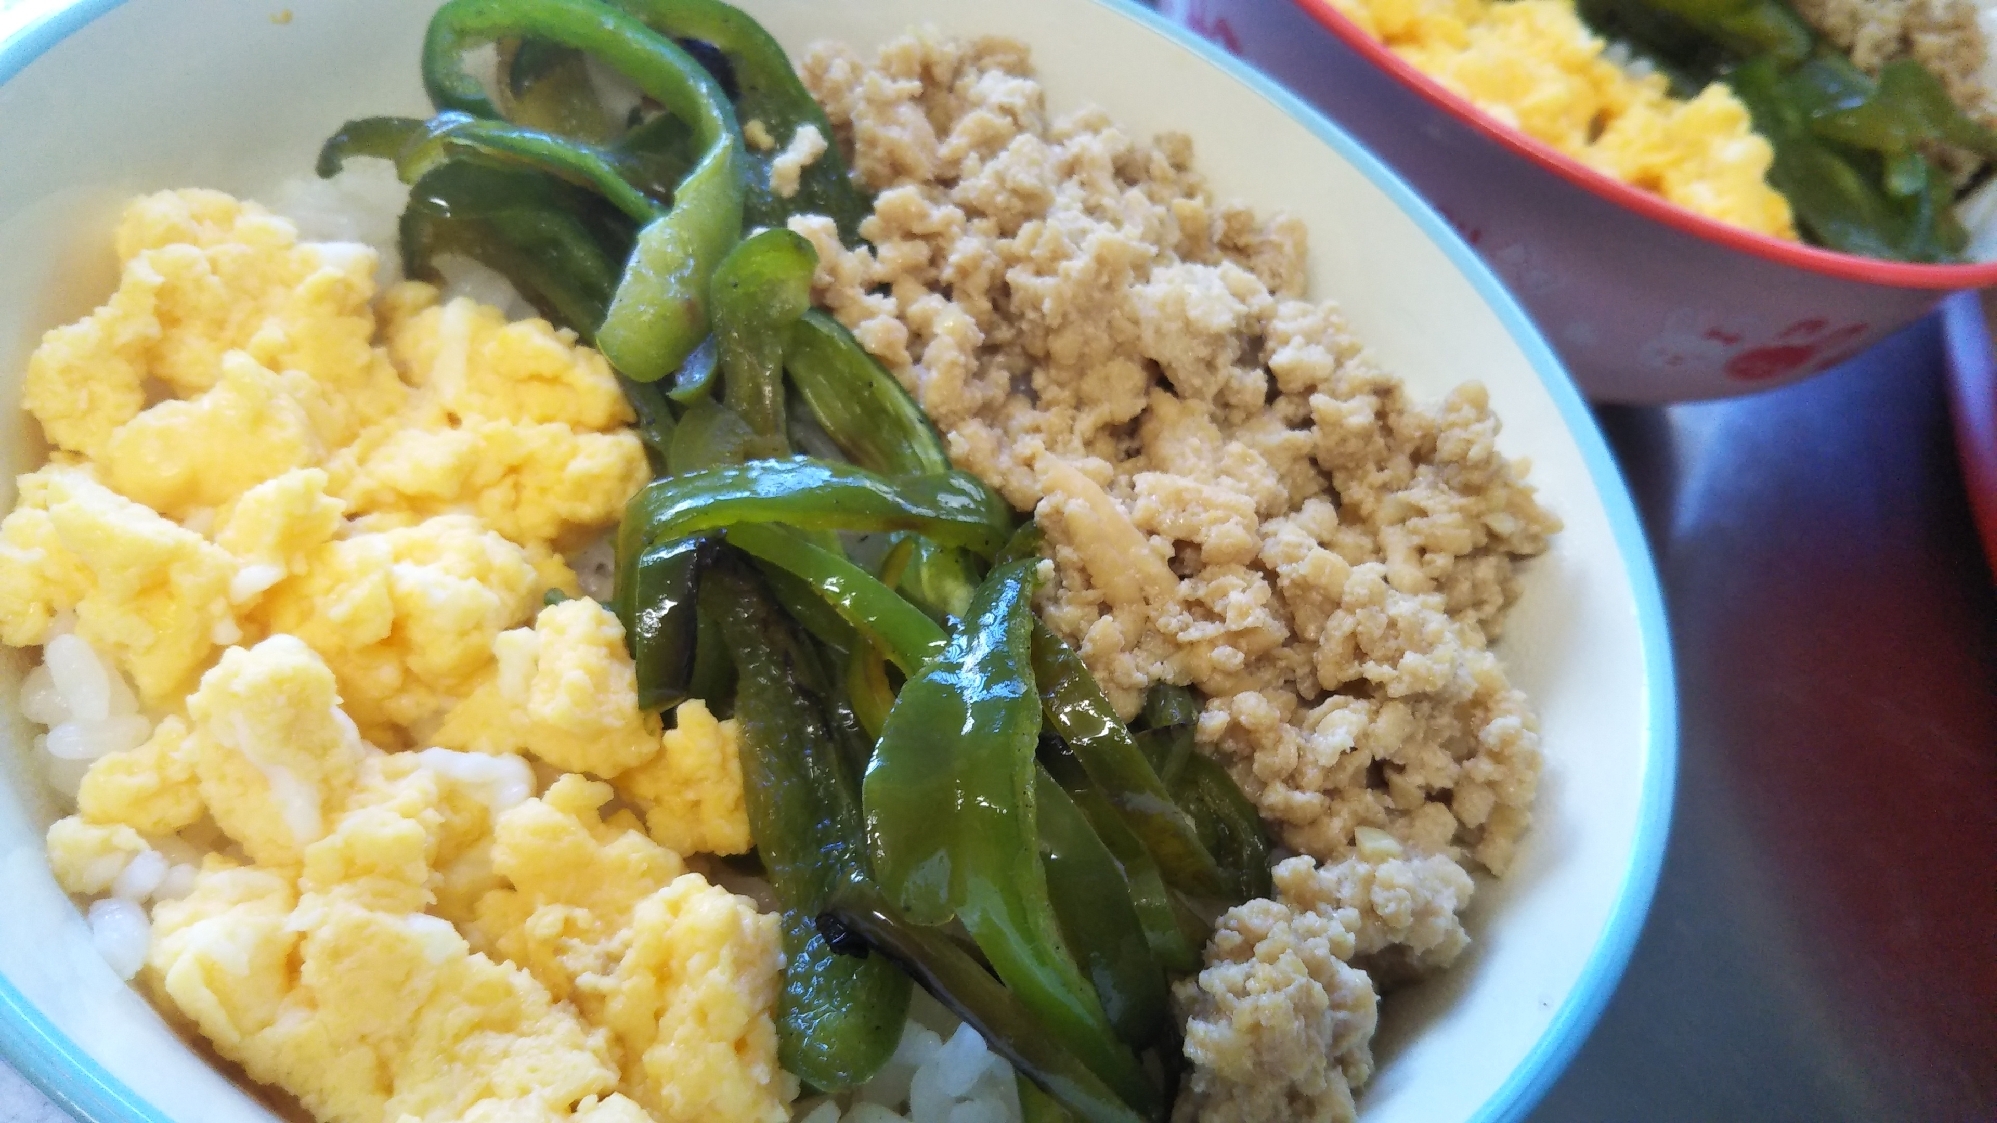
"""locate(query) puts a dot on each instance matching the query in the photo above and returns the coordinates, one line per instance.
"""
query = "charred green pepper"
(767, 91)
(859, 919)
(814, 495)
(659, 312)
(660, 619)
(1098, 920)
(1077, 710)
(839, 1018)
(952, 826)
(758, 291)
(904, 633)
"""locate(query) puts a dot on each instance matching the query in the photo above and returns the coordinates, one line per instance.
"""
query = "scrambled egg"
(692, 790)
(315, 525)
(1534, 66)
(513, 421)
(147, 591)
(564, 690)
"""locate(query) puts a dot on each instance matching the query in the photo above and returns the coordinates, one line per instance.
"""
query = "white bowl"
(104, 99)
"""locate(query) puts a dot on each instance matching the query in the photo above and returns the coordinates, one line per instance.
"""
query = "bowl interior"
(148, 94)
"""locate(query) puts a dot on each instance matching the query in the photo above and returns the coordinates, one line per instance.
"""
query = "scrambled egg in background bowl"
(289, 526)
(1534, 66)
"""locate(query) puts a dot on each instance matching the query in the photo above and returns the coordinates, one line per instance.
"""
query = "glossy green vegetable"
(839, 1018)
(1747, 28)
(1228, 824)
(1076, 709)
(952, 823)
(713, 678)
(537, 231)
(656, 421)
(858, 404)
(878, 426)
(868, 688)
(802, 603)
(458, 136)
(1907, 108)
(694, 381)
(546, 86)
(1229, 827)
(767, 90)
(759, 291)
(660, 620)
(1845, 198)
(1174, 935)
(904, 634)
(709, 435)
(859, 919)
(1098, 922)
(659, 312)
(813, 495)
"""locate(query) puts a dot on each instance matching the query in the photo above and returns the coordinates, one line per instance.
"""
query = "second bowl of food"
(673, 586)
(1693, 200)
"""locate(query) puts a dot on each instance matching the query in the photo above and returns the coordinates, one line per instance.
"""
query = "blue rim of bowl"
(76, 1081)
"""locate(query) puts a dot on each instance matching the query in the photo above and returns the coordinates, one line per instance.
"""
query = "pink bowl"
(1644, 301)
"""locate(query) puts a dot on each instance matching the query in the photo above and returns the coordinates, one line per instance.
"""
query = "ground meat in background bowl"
(1235, 498)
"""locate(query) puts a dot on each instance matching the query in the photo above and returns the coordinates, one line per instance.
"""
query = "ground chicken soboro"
(1234, 498)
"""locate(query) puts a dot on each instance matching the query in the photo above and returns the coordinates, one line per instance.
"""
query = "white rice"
(120, 931)
(87, 705)
(362, 204)
(596, 567)
(941, 1072)
(141, 877)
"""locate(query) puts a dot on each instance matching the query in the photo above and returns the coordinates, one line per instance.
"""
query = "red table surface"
(1823, 945)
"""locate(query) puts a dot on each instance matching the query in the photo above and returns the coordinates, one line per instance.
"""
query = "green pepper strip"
(451, 135)
(758, 291)
(1098, 920)
(839, 1018)
(950, 805)
(1836, 202)
(1176, 949)
(1229, 826)
(545, 86)
(1747, 27)
(694, 381)
(713, 679)
(1908, 107)
(768, 90)
(803, 604)
(813, 495)
(507, 218)
(384, 138)
(656, 423)
(709, 435)
(904, 633)
(520, 223)
(879, 427)
(659, 312)
(661, 620)
(1077, 710)
(860, 918)
(859, 405)
(868, 687)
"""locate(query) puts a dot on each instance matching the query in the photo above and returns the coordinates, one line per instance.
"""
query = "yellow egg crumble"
(315, 525)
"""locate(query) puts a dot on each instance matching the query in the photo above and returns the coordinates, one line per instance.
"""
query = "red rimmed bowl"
(1644, 301)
